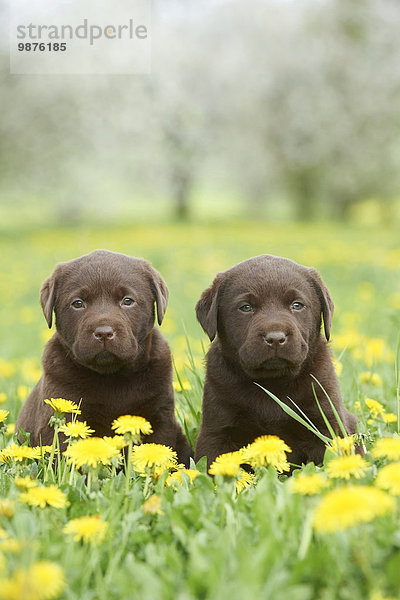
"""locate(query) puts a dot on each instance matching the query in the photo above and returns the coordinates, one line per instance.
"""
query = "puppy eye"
(128, 301)
(246, 308)
(77, 304)
(297, 305)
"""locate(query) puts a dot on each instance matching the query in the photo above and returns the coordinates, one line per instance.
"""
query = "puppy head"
(267, 313)
(104, 307)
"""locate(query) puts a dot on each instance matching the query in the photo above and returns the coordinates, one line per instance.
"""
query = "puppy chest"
(106, 402)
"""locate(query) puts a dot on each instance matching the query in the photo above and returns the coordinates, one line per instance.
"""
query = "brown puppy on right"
(267, 314)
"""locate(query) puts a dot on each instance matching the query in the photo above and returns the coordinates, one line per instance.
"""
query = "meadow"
(329, 532)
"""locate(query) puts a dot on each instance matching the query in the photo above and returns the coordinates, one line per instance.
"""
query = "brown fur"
(106, 355)
(274, 344)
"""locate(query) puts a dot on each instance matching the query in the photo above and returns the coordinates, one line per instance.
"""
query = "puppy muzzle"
(105, 348)
(273, 354)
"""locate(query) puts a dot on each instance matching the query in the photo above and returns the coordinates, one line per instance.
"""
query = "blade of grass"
(335, 412)
(192, 408)
(325, 418)
(192, 364)
(302, 412)
(289, 411)
(340, 356)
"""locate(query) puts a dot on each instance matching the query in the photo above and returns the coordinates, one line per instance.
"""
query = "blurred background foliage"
(275, 109)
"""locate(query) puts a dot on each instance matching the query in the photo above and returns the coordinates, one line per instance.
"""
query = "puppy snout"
(104, 333)
(275, 338)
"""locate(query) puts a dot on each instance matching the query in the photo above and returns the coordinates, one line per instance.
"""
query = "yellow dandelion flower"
(176, 477)
(376, 350)
(3, 414)
(89, 529)
(10, 429)
(387, 447)
(11, 545)
(2, 566)
(46, 335)
(25, 483)
(348, 506)
(155, 472)
(118, 441)
(7, 368)
(244, 480)
(47, 578)
(30, 370)
(366, 291)
(43, 580)
(10, 589)
(152, 506)
(372, 378)
(344, 467)
(59, 405)
(184, 385)
(132, 425)
(148, 456)
(44, 496)
(91, 452)
(168, 325)
(18, 453)
(267, 450)
(227, 464)
(22, 392)
(357, 405)
(76, 429)
(394, 299)
(308, 484)
(351, 338)
(338, 368)
(6, 508)
(388, 478)
(45, 449)
(376, 595)
(342, 445)
(389, 418)
(3, 397)
(375, 408)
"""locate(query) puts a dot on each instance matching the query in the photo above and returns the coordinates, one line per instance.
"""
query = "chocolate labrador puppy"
(106, 353)
(266, 313)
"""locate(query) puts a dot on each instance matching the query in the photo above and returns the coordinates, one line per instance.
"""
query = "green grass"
(208, 542)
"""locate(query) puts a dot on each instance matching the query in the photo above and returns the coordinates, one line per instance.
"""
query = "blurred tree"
(318, 105)
(294, 99)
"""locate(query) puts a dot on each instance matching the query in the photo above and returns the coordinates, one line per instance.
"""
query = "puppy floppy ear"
(325, 299)
(160, 291)
(207, 308)
(48, 298)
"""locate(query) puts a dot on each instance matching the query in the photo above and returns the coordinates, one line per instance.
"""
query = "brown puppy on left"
(106, 353)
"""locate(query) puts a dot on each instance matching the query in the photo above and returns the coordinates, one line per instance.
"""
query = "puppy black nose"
(275, 338)
(103, 333)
